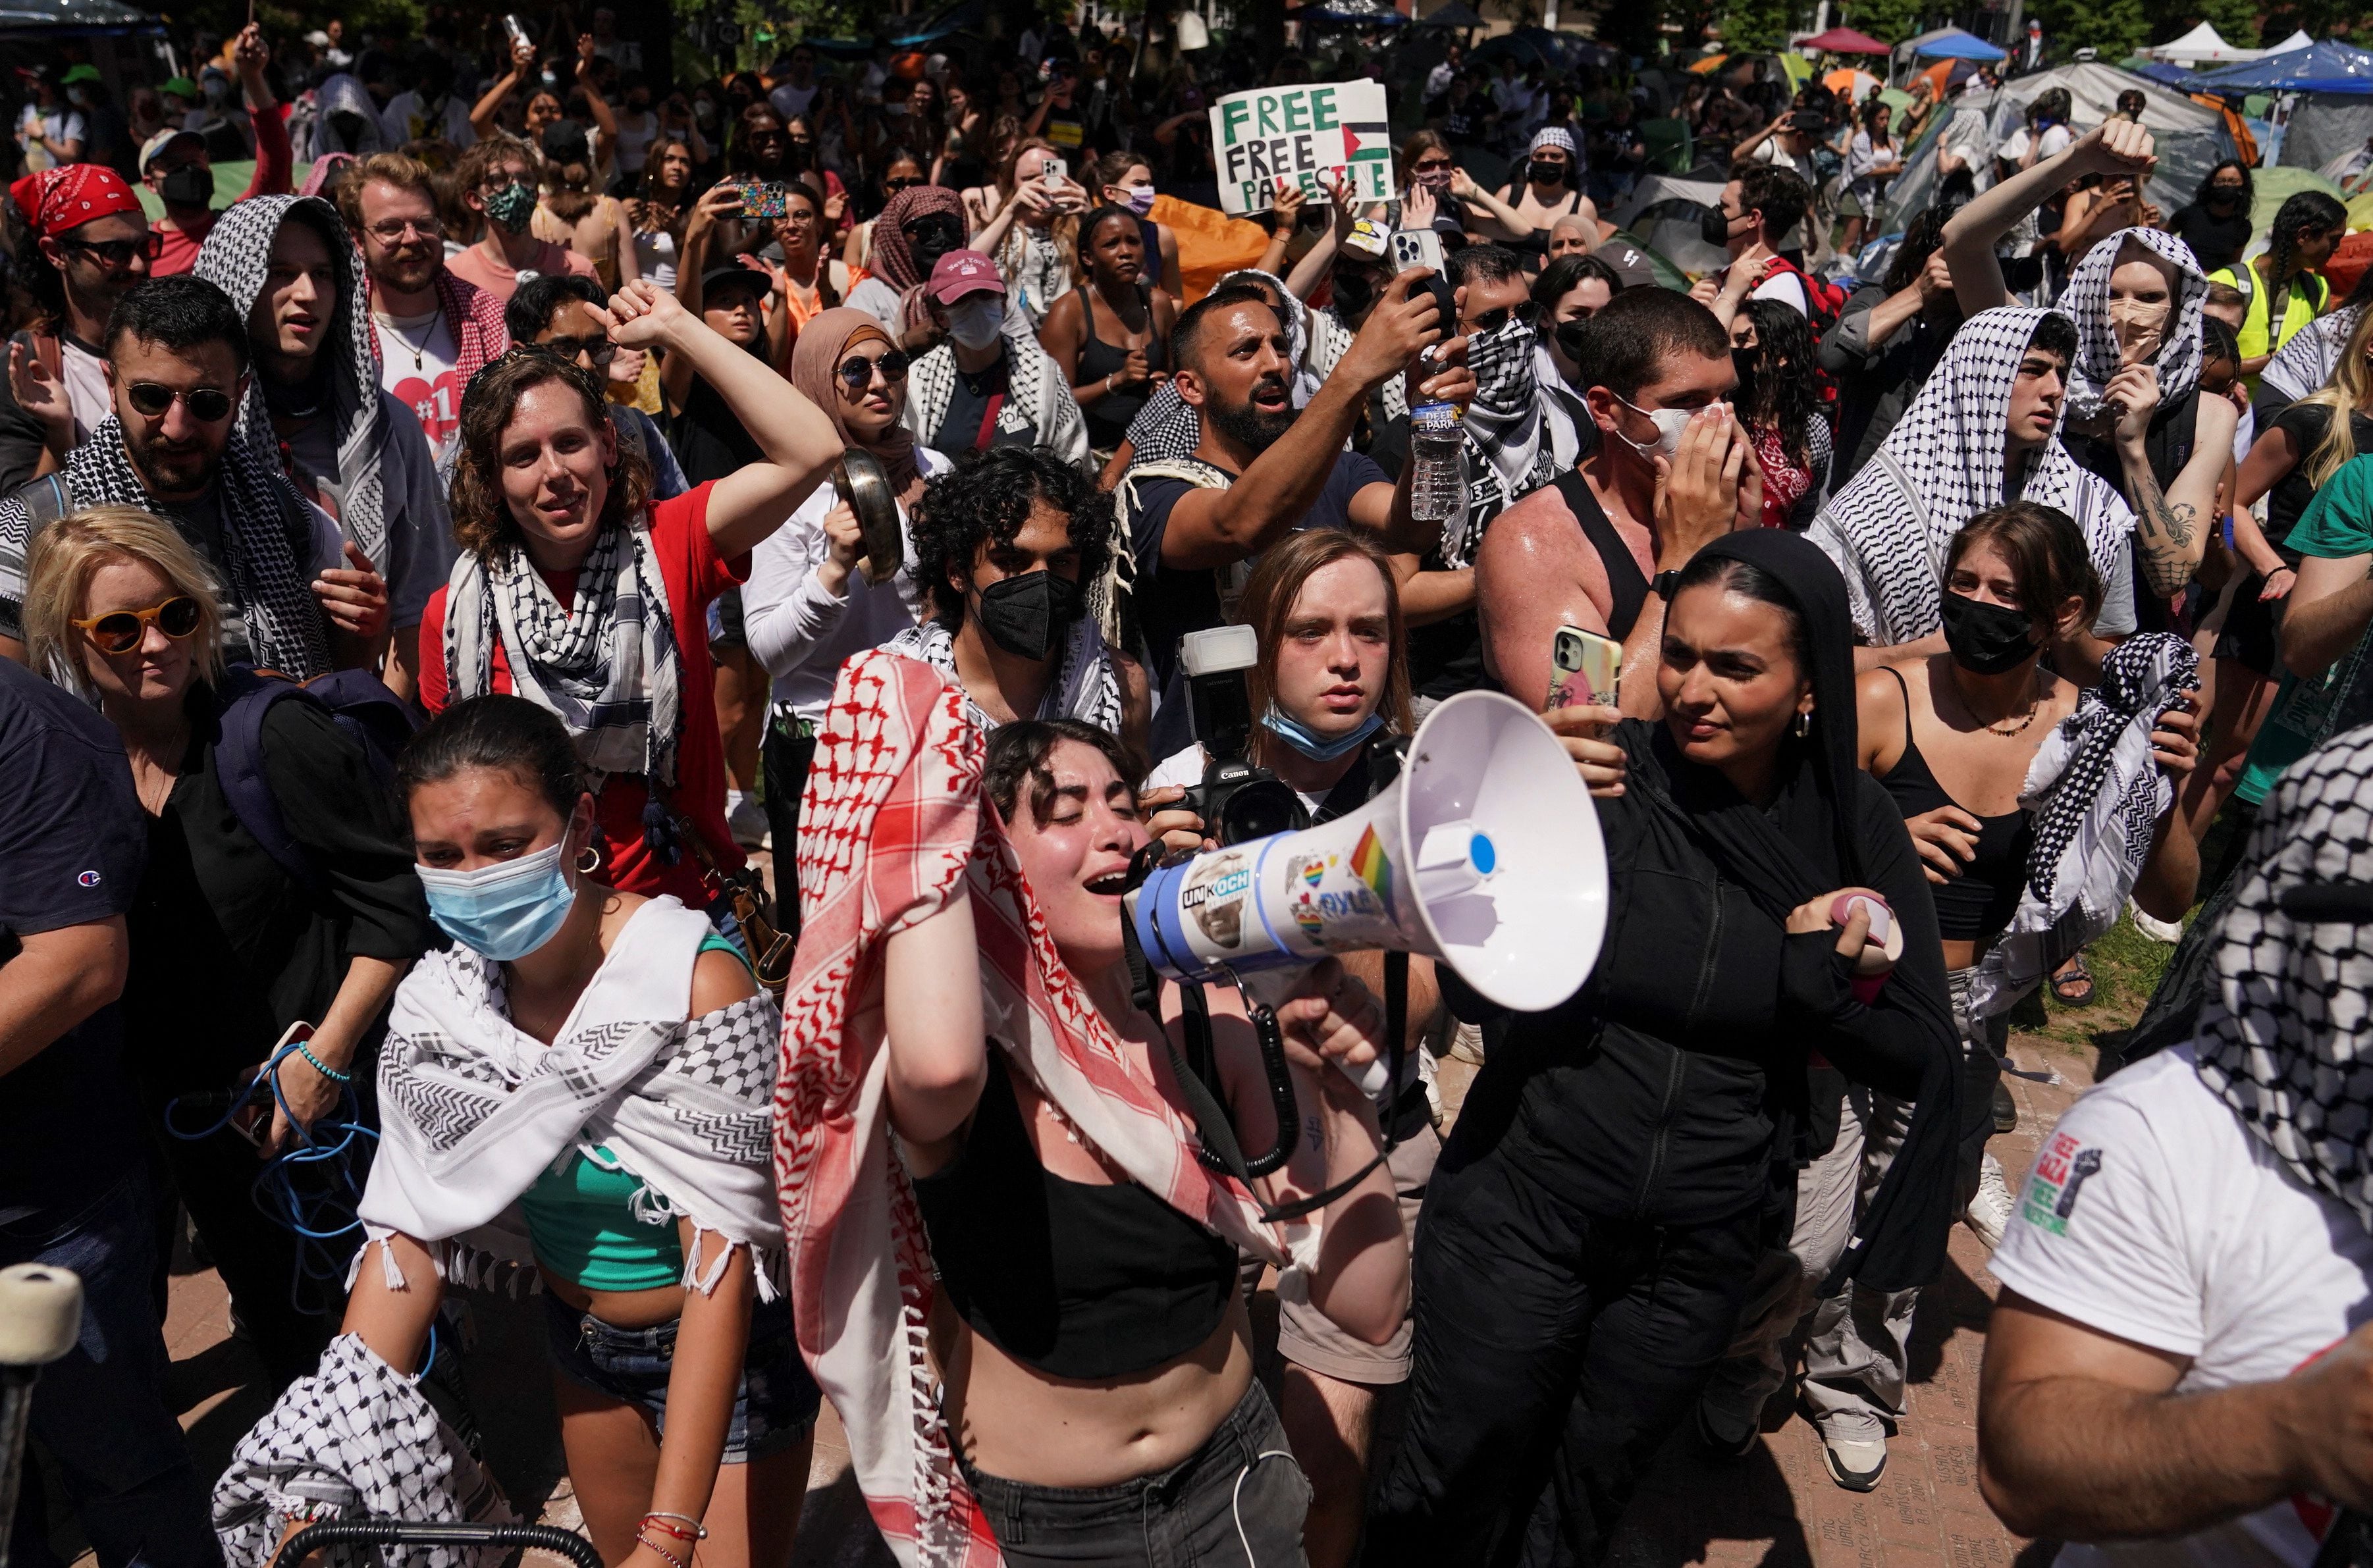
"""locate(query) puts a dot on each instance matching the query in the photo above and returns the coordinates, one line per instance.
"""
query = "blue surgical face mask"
(1314, 746)
(505, 910)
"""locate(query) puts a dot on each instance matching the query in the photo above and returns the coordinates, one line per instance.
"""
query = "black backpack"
(373, 716)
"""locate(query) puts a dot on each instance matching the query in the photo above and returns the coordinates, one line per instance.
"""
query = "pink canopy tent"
(1844, 40)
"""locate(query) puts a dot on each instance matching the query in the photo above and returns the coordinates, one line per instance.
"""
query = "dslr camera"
(1236, 800)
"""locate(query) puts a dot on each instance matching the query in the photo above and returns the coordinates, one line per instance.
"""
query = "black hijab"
(1810, 839)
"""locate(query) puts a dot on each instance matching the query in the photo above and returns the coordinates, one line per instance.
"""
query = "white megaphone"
(1484, 853)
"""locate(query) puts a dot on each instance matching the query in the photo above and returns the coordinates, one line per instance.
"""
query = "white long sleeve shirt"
(803, 634)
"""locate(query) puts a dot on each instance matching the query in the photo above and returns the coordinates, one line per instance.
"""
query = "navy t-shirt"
(72, 840)
(1173, 601)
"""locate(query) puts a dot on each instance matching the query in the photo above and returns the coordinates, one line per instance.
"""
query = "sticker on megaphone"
(1485, 855)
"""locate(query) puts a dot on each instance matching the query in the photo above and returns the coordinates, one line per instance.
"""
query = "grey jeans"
(1857, 1343)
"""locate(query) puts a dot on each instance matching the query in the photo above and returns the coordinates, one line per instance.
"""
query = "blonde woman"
(231, 946)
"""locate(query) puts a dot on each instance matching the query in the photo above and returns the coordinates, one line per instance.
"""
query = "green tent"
(231, 184)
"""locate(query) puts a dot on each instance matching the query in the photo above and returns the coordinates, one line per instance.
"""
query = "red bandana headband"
(59, 199)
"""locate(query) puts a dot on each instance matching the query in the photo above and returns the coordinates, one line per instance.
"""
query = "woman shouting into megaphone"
(1027, 1280)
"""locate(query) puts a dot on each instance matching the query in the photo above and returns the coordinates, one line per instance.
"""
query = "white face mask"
(1669, 423)
(977, 322)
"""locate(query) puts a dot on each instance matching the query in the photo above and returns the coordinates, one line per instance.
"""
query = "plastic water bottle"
(1437, 463)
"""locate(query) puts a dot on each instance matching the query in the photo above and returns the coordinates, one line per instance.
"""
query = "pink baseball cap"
(959, 273)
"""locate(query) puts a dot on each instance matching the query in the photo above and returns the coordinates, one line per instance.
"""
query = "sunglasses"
(894, 185)
(119, 252)
(1492, 320)
(121, 631)
(857, 371)
(207, 404)
(596, 346)
(1436, 166)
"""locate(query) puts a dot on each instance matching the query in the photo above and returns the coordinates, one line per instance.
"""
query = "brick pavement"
(1777, 1508)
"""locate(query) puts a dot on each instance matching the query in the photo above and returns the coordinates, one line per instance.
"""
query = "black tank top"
(1075, 1279)
(1110, 417)
(1979, 901)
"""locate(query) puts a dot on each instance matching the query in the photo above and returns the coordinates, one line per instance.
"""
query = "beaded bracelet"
(642, 1539)
(322, 1067)
(699, 1531)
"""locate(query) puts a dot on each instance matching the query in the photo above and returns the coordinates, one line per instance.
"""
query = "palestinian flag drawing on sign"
(1368, 144)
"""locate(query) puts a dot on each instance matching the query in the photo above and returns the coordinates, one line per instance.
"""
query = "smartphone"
(1423, 248)
(766, 199)
(1587, 669)
(1054, 172)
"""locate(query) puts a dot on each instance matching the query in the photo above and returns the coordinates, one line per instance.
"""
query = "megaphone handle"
(1264, 989)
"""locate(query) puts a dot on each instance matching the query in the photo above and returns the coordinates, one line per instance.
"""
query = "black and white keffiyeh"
(2097, 794)
(2086, 298)
(1889, 530)
(1084, 687)
(2285, 1037)
(606, 662)
(1167, 429)
(355, 1439)
(473, 1109)
(1504, 420)
(236, 258)
(268, 540)
(1039, 401)
(2303, 364)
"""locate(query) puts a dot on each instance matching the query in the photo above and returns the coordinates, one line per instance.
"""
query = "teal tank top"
(580, 1218)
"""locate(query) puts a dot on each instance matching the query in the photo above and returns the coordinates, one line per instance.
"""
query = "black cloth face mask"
(1026, 615)
(1715, 228)
(188, 186)
(1986, 639)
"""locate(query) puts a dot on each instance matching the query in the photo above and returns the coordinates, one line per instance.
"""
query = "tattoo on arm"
(2164, 530)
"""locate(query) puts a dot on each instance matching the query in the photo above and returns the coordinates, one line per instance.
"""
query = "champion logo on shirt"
(2061, 1172)
(89, 879)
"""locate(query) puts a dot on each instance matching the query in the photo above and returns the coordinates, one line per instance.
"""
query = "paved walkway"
(1778, 1508)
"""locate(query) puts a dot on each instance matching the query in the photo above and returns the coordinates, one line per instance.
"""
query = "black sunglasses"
(857, 371)
(595, 345)
(897, 185)
(1492, 320)
(205, 405)
(120, 631)
(119, 252)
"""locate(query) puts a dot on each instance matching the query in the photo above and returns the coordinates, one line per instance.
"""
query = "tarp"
(2199, 46)
(1952, 44)
(231, 176)
(1665, 214)
(68, 18)
(1844, 40)
(2324, 66)
(2191, 139)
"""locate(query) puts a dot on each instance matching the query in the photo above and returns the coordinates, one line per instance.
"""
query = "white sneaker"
(2158, 930)
(1989, 1213)
(747, 820)
(1854, 1465)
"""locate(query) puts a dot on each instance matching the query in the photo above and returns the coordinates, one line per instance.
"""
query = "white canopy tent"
(2200, 46)
(2297, 40)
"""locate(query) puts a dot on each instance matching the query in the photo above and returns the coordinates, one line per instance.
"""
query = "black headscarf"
(1808, 842)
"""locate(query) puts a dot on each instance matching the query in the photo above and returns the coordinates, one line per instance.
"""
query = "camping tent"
(2334, 113)
(1952, 44)
(1665, 214)
(2191, 137)
(73, 18)
(2198, 47)
(1843, 41)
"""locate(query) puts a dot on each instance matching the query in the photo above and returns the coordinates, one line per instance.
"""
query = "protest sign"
(1271, 139)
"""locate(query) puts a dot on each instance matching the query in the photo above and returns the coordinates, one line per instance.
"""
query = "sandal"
(2073, 982)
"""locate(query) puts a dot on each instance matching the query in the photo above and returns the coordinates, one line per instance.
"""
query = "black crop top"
(1075, 1279)
(1979, 901)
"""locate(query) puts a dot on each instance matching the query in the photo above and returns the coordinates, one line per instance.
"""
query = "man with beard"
(987, 385)
(434, 328)
(175, 166)
(1260, 468)
(82, 243)
(297, 598)
(353, 449)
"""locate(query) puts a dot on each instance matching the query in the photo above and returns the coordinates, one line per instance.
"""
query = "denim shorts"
(1241, 1490)
(773, 1409)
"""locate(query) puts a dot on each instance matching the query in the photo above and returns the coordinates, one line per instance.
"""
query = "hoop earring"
(589, 860)
(1804, 725)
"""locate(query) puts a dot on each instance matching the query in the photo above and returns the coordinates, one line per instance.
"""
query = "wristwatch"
(1664, 583)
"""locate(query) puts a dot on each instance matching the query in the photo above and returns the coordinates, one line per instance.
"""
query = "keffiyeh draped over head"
(2098, 795)
(268, 540)
(2285, 1037)
(344, 119)
(893, 259)
(237, 257)
(2087, 299)
(894, 825)
(1889, 530)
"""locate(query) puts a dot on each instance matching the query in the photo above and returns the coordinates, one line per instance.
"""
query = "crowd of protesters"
(429, 579)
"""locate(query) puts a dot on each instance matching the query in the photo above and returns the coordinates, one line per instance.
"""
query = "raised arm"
(1505, 218)
(2170, 523)
(797, 437)
(2118, 146)
(273, 157)
(483, 117)
(1303, 281)
(717, 203)
(604, 121)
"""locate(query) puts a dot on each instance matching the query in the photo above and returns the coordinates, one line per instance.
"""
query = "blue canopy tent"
(1952, 44)
(955, 20)
(2322, 66)
(2164, 75)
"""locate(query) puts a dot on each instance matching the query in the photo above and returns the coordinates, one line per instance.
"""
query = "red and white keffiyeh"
(892, 821)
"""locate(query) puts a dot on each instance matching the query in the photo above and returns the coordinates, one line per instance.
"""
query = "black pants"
(1556, 1350)
(290, 1313)
(784, 759)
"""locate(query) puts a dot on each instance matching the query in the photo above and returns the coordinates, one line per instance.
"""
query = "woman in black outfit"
(228, 948)
(2215, 223)
(1590, 1233)
(1111, 335)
